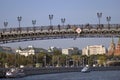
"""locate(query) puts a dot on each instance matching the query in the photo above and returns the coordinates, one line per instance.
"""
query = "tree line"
(57, 59)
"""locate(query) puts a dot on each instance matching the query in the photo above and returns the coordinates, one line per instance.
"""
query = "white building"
(27, 51)
(94, 50)
(52, 48)
(70, 51)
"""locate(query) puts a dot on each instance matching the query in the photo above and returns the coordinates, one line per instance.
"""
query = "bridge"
(8, 35)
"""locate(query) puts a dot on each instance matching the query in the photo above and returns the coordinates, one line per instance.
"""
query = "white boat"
(85, 69)
(15, 73)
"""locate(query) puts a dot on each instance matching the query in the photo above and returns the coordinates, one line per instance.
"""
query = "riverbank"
(38, 71)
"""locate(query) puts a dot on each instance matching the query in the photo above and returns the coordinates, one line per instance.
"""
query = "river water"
(93, 75)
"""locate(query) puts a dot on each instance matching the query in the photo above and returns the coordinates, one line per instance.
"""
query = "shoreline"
(40, 71)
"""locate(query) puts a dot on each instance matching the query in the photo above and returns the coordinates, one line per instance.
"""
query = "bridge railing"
(60, 27)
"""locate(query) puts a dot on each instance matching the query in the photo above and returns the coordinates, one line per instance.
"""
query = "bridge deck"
(58, 32)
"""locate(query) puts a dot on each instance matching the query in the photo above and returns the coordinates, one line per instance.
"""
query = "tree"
(10, 60)
(2, 59)
(84, 60)
(57, 52)
(62, 60)
(76, 59)
(102, 60)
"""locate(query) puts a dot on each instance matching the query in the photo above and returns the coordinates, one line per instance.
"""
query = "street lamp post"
(53, 61)
(19, 18)
(108, 18)
(45, 61)
(99, 15)
(36, 59)
(34, 23)
(83, 62)
(67, 61)
(58, 61)
(50, 18)
(63, 21)
(5, 24)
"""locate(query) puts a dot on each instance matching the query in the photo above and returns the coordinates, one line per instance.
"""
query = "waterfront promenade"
(38, 71)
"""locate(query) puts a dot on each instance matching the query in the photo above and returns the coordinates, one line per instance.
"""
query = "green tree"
(92, 59)
(62, 60)
(2, 59)
(102, 60)
(10, 60)
(76, 59)
(84, 60)
(54, 60)
(57, 52)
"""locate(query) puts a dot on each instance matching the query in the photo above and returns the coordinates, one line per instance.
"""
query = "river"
(93, 75)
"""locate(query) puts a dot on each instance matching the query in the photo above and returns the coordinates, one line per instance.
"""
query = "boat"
(15, 73)
(85, 69)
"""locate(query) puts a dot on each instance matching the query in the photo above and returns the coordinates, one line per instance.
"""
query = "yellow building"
(94, 50)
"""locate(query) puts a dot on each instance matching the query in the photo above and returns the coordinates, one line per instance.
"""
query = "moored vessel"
(15, 73)
(85, 69)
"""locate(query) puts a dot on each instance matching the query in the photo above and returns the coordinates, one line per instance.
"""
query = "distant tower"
(117, 50)
(111, 48)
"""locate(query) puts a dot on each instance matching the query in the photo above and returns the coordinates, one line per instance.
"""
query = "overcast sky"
(75, 12)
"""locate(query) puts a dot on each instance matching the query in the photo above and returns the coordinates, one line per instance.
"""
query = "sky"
(74, 11)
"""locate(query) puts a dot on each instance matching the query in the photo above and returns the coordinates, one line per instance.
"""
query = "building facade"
(69, 51)
(111, 48)
(27, 51)
(117, 49)
(94, 50)
(5, 49)
(114, 50)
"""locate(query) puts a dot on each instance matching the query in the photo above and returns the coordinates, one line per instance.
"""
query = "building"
(5, 49)
(30, 50)
(111, 48)
(117, 49)
(69, 51)
(94, 50)
(52, 49)
(26, 52)
(114, 50)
